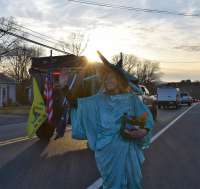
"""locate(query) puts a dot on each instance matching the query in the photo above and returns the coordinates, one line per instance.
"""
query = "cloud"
(190, 48)
(152, 36)
(178, 74)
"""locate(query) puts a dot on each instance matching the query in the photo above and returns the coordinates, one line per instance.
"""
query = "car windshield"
(184, 94)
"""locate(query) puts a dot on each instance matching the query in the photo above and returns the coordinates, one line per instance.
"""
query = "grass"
(20, 110)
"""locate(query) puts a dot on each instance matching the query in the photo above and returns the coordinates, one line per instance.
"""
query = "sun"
(104, 41)
(92, 56)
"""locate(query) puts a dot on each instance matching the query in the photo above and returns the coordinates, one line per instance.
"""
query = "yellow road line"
(15, 140)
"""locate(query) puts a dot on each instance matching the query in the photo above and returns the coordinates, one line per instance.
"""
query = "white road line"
(170, 124)
(98, 183)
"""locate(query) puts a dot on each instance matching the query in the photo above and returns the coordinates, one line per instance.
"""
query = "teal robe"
(98, 119)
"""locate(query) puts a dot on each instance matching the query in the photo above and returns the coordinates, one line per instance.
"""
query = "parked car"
(149, 100)
(195, 100)
(186, 98)
(168, 96)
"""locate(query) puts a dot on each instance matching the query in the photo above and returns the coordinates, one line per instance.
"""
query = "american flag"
(48, 96)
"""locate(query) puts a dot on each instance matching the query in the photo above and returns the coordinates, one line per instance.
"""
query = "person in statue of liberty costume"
(98, 119)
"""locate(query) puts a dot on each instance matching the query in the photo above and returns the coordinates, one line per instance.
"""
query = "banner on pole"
(37, 114)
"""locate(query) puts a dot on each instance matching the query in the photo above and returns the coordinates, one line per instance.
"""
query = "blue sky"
(159, 37)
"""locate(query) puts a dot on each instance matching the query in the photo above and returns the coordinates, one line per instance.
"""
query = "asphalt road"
(13, 130)
(13, 126)
(6, 119)
(35, 165)
(172, 161)
(167, 115)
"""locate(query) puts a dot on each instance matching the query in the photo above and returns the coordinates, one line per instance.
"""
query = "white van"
(168, 96)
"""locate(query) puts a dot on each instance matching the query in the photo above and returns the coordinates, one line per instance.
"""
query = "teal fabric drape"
(97, 119)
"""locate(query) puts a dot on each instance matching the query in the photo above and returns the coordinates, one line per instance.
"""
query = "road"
(171, 162)
(6, 119)
(12, 126)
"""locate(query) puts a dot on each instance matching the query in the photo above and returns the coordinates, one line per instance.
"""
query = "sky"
(174, 41)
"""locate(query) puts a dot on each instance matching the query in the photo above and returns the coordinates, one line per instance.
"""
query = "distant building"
(7, 90)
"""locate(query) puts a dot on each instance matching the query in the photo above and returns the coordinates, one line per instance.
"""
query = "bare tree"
(148, 71)
(18, 64)
(129, 62)
(145, 70)
(77, 44)
(15, 56)
(7, 43)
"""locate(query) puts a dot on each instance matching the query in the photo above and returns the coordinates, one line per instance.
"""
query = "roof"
(58, 62)
(6, 80)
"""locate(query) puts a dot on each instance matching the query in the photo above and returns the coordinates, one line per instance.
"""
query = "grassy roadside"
(19, 110)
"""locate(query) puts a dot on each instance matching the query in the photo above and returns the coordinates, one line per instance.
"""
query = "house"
(7, 90)
(24, 92)
(72, 65)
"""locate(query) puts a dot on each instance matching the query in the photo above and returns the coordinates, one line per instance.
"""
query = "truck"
(168, 96)
(149, 101)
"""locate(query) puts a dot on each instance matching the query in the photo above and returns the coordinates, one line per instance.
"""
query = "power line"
(18, 29)
(24, 32)
(47, 46)
(129, 8)
(46, 36)
(32, 41)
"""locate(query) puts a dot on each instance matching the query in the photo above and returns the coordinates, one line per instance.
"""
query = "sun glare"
(92, 56)
(104, 40)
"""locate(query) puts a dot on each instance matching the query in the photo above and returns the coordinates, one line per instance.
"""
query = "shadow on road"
(31, 169)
